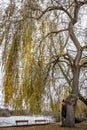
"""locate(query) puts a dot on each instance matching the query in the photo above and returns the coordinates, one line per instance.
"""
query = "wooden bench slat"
(40, 120)
(21, 121)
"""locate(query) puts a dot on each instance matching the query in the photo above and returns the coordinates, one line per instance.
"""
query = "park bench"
(40, 121)
(21, 121)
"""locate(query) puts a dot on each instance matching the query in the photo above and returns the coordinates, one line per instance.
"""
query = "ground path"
(56, 126)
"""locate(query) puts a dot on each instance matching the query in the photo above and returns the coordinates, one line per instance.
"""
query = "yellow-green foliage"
(80, 107)
(11, 71)
(29, 91)
(32, 86)
(24, 63)
(56, 108)
(17, 65)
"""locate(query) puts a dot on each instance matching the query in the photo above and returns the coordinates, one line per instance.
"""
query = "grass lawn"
(56, 126)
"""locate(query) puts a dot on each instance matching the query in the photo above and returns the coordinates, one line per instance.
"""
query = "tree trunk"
(71, 100)
(70, 115)
(70, 118)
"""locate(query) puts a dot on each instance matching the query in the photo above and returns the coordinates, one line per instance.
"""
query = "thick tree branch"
(78, 4)
(83, 62)
(82, 99)
(76, 43)
(55, 8)
(84, 47)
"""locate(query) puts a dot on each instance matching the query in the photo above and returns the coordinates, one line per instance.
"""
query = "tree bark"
(71, 104)
(70, 119)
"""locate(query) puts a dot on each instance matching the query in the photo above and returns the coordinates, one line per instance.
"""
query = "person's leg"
(63, 121)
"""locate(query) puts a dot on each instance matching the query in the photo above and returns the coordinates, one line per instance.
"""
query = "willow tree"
(34, 55)
(67, 15)
(23, 79)
(24, 58)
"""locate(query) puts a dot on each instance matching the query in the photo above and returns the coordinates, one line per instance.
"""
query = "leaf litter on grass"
(55, 126)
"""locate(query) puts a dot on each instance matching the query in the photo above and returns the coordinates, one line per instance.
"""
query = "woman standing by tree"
(63, 112)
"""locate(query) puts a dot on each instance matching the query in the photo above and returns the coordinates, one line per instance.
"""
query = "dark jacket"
(63, 110)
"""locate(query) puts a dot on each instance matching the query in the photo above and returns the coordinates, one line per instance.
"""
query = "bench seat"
(21, 121)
